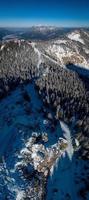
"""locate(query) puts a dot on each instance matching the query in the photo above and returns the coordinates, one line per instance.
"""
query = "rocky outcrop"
(37, 161)
(41, 157)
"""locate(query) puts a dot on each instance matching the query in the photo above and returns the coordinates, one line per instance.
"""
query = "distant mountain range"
(35, 32)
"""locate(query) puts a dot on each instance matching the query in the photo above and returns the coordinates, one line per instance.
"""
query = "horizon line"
(55, 26)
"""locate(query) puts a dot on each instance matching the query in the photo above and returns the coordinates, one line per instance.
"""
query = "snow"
(86, 51)
(76, 37)
(36, 160)
(63, 53)
(2, 47)
(24, 151)
(49, 58)
(82, 68)
(20, 195)
(10, 37)
(44, 29)
(58, 49)
(52, 170)
(38, 53)
(40, 59)
(59, 52)
(45, 121)
(76, 142)
(46, 71)
(67, 135)
(60, 41)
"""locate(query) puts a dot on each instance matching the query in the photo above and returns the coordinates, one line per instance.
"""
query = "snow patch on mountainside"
(20, 195)
(75, 36)
(67, 135)
(2, 47)
(86, 50)
(39, 55)
(59, 52)
(40, 59)
(60, 41)
(68, 53)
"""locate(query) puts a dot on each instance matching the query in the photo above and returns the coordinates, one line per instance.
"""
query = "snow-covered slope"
(76, 37)
(73, 48)
(21, 115)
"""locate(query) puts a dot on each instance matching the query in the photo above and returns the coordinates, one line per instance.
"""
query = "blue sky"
(45, 12)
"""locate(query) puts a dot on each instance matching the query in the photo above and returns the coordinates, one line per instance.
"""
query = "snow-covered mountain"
(73, 48)
(76, 37)
(44, 116)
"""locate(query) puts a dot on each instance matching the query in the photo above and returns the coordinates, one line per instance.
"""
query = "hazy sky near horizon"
(46, 12)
